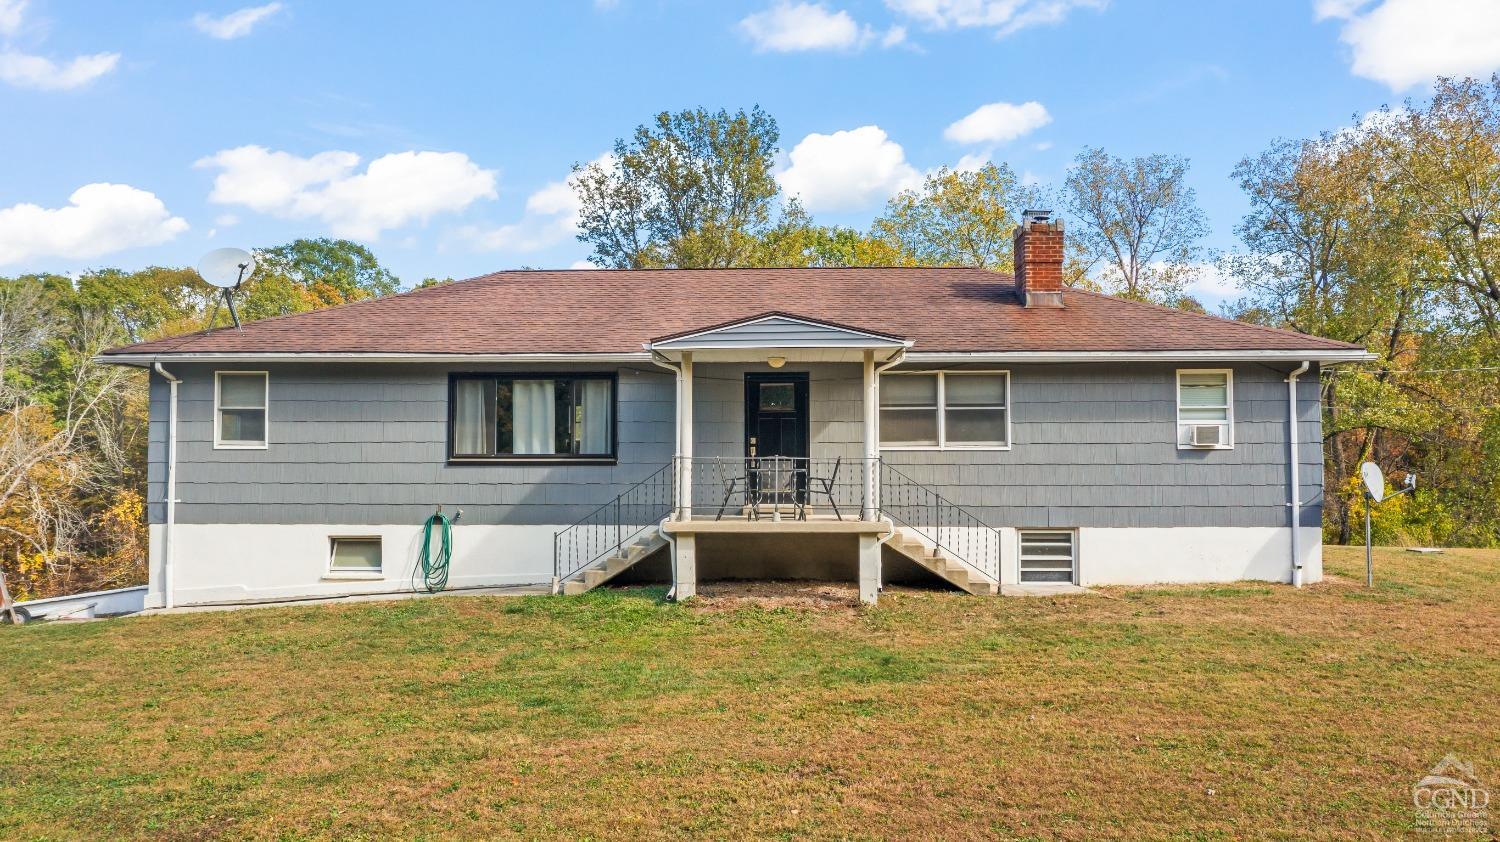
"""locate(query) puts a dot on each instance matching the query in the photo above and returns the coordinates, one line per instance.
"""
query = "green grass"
(1216, 712)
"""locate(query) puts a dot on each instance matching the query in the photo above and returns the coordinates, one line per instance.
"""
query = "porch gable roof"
(775, 330)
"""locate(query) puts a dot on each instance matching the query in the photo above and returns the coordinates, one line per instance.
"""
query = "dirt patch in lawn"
(731, 595)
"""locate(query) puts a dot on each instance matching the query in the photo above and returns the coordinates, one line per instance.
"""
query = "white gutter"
(1293, 460)
(166, 540)
(281, 356)
(1323, 356)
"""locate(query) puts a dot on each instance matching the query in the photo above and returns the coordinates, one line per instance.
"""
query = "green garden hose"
(435, 568)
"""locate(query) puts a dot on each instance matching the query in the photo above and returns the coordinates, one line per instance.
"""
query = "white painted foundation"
(1193, 554)
(232, 562)
(249, 562)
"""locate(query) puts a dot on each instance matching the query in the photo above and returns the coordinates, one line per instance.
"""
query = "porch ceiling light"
(776, 362)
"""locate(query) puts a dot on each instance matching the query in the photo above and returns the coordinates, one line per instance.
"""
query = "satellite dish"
(1374, 480)
(226, 268)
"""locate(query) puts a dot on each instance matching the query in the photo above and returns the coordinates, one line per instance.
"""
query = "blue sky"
(441, 134)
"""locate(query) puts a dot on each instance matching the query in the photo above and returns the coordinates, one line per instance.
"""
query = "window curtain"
(474, 418)
(593, 437)
(534, 416)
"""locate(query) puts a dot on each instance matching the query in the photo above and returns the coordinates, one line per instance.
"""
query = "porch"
(777, 463)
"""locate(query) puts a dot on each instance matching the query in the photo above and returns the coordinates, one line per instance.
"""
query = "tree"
(957, 218)
(309, 274)
(1137, 224)
(692, 189)
(1381, 234)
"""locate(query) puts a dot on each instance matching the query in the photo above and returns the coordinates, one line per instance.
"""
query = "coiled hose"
(435, 567)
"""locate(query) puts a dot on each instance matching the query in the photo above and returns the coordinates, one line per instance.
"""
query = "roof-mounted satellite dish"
(1374, 480)
(226, 269)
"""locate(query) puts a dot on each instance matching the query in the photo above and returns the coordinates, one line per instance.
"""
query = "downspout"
(1293, 460)
(166, 540)
(661, 360)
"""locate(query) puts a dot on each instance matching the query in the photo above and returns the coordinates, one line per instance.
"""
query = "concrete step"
(957, 573)
(600, 572)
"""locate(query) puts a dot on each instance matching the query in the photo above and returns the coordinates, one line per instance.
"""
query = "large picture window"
(532, 417)
(945, 410)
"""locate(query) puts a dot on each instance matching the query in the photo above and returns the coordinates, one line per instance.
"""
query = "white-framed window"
(1048, 555)
(240, 409)
(1205, 408)
(945, 410)
(355, 554)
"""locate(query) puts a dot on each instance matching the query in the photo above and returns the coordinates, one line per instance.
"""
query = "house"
(869, 423)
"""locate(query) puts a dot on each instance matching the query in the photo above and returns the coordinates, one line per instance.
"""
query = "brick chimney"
(1039, 259)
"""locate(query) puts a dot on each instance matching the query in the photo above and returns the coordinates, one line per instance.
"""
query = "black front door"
(776, 415)
(776, 425)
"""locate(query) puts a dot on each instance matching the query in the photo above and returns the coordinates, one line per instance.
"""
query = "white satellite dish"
(226, 269)
(1374, 480)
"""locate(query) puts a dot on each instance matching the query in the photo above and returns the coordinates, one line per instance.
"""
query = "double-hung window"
(545, 417)
(1205, 408)
(945, 410)
(240, 409)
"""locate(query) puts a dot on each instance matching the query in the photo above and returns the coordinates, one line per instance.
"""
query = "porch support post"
(872, 446)
(869, 568)
(686, 568)
(685, 441)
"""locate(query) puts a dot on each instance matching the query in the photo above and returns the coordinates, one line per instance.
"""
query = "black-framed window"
(544, 416)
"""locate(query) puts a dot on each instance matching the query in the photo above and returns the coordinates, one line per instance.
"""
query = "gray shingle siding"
(1093, 446)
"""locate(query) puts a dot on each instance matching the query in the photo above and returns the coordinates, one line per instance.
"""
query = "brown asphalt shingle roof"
(615, 311)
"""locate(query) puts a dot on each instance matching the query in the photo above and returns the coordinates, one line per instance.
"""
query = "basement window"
(1048, 555)
(240, 409)
(945, 410)
(355, 555)
(532, 417)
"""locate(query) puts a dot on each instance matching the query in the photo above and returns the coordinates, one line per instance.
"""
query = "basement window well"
(351, 557)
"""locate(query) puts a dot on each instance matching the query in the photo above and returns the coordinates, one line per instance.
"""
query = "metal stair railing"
(608, 529)
(952, 529)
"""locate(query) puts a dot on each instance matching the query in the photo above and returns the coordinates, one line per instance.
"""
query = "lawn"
(1186, 712)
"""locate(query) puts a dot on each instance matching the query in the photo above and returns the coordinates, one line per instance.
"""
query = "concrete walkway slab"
(1041, 589)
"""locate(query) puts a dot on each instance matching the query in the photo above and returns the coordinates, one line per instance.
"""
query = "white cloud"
(998, 122)
(973, 162)
(24, 70)
(581, 264)
(1402, 43)
(1004, 16)
(1208, 282)
(10, 16)
(893, 36)
(99, 219)
(44, 74)
(847, 170)
(788, 28)
(394, 190)
(236, 24)
(551, 217)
